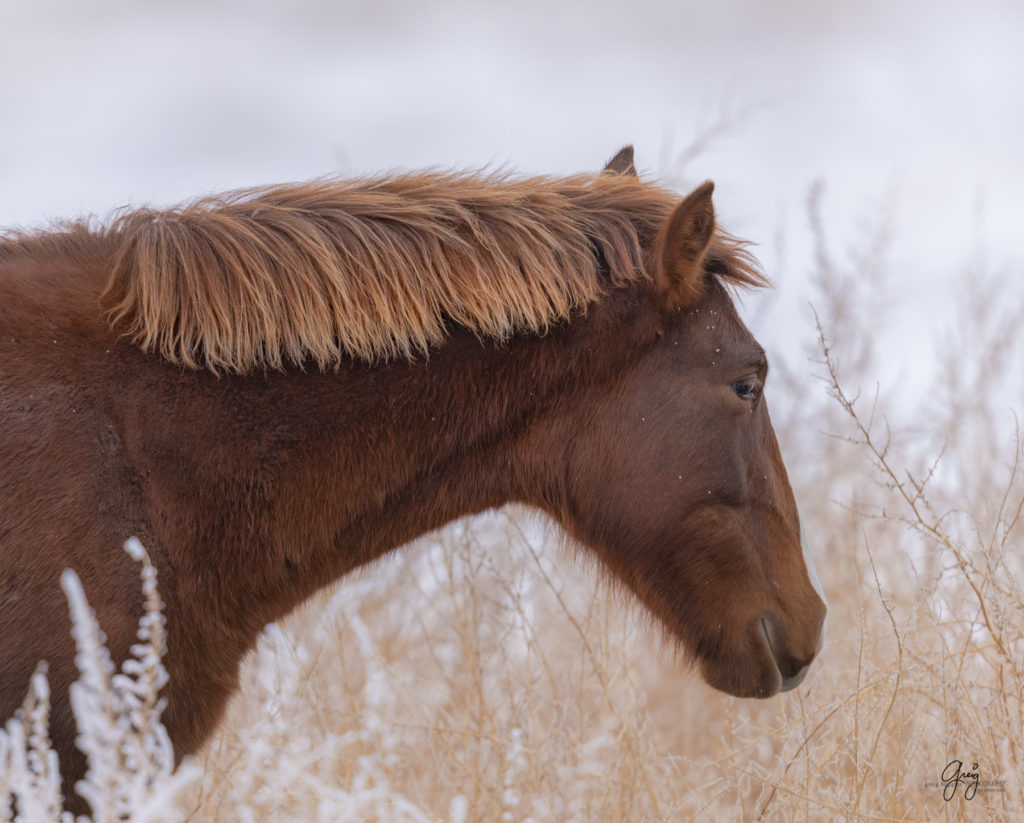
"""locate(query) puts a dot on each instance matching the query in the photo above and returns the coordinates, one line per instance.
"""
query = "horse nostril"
(792, 670)
(794, 681)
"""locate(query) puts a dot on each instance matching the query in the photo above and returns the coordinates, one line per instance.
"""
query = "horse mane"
(379, 269)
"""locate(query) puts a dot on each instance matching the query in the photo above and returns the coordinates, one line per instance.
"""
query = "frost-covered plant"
(441, 687)
(131, 773)
(29, 772)
(484, 674)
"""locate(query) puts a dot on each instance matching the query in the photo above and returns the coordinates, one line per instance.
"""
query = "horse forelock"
(379, 269)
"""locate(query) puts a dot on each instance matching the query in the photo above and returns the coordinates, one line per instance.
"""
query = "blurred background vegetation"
(871, 152)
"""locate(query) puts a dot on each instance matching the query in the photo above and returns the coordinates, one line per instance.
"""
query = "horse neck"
(255, 492)
(347, 466)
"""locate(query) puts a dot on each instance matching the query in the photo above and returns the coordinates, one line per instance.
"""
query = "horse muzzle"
(775, 655)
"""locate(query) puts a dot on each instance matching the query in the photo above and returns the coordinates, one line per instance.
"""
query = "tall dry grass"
(486, 673)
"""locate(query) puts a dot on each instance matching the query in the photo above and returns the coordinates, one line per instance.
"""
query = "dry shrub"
(439, 682)
(487, 673)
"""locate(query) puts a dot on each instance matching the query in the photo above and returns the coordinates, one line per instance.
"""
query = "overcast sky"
(910, 114)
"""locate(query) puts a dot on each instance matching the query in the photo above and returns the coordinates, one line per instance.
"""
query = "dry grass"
(485, 674)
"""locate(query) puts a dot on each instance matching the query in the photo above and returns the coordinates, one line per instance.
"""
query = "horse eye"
(747, 389)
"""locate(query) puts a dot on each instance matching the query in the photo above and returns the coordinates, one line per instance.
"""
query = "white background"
(910, 115)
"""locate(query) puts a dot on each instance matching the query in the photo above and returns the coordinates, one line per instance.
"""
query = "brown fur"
(561, 375)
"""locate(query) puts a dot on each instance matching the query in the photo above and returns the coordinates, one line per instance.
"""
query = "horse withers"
(273, 387)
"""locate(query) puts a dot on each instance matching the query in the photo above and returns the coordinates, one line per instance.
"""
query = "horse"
(272, 387)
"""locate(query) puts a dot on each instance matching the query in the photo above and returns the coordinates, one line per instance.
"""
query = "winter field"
(489, 672)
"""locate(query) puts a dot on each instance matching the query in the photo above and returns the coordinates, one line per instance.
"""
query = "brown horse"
(272, 388)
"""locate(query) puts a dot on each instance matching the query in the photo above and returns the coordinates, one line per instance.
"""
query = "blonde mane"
(379, 269)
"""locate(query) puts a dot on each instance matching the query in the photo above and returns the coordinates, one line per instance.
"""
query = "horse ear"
(621, 163)
(684, 241)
